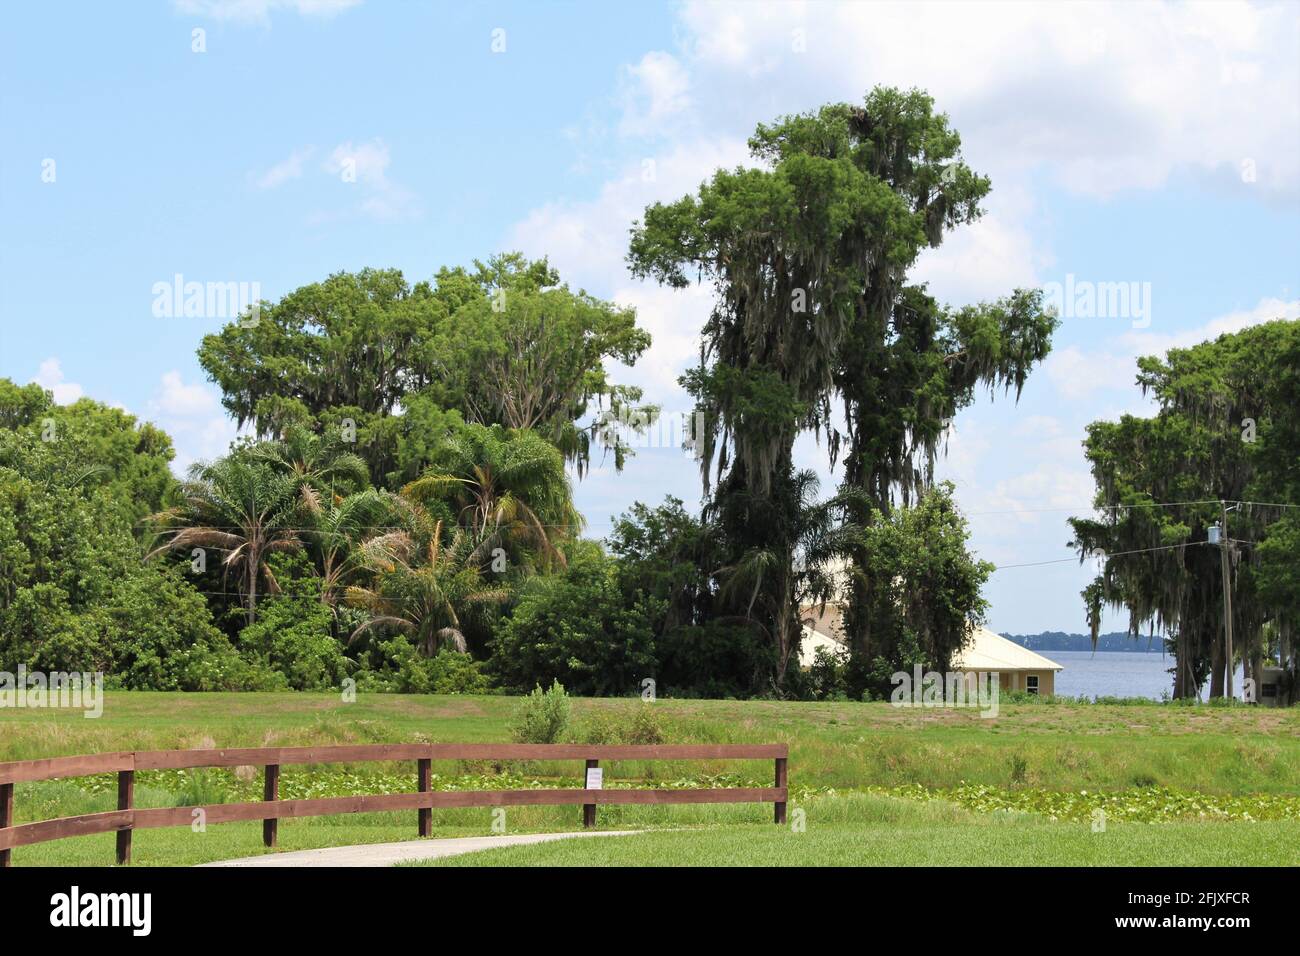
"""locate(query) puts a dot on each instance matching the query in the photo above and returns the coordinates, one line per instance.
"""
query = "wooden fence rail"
(271, 809)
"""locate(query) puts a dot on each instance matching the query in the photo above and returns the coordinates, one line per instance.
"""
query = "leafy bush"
(601, 727)
(455, 673)
(715, 660)
(542, 717)
(202, 788)
(402, 670)
(574, 627)
(74, 595)
(1019, 769)
(642, 726)
(645, 726)
(827, 678)
(292, 636)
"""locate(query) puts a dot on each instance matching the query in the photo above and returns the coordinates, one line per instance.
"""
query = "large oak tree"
(808, 255)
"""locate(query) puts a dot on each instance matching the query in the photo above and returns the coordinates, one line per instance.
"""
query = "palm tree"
(774, 581)
(338, 525)
(510, 489)
(321, 464)
(241, 507)
(423, 587)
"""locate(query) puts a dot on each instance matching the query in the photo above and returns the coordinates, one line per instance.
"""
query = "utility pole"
(1227, 593)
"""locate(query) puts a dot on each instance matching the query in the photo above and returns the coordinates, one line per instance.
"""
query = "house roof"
(812, 640)
(993, 652)
(987, 651)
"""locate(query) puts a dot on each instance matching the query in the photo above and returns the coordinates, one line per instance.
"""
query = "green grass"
(866, 830)
(1134, 844)
(1038, 757)
(842, 745)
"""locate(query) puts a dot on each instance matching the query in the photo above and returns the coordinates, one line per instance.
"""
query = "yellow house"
(1018, 668)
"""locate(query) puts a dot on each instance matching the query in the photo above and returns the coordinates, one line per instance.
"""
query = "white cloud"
(259, 11)
(587, 242)
(288, 168)
(192, 415)
(50, 377)
(1266, 310)
(365, 165)
(1106, 96)
(985, 259)
(174, 397)
(1079, 373)
(673, 318)
(653, 91)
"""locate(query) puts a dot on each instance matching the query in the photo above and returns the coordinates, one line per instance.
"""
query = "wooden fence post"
(125, 801)
(127, 817)
(6, 815)
(782, 782)
(589, 809)
(270, 791)
(425, 784)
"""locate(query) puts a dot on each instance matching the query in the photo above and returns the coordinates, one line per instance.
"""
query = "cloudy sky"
(277, 141)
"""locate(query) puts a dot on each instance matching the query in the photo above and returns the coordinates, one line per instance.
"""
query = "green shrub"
(542, 717)
(601, 727)
(575, 627)
(202, 788)
(715, 661)
(1019, 769)
(827, 678)
(645, 726)
(292, 636)
(403, 670)
(642, 726)
(455, 673)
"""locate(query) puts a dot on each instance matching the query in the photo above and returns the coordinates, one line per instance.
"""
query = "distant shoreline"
(1115, 641)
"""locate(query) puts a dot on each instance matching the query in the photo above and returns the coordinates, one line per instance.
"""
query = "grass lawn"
(1134, 844)
(1032, 756)
(842, 745)
(882, 831)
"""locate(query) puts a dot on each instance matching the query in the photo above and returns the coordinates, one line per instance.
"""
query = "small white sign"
(595, 776)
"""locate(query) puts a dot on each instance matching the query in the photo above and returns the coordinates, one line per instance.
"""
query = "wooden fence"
(128, 818)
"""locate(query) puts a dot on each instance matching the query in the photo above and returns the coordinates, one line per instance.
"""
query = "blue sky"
(1134, 143)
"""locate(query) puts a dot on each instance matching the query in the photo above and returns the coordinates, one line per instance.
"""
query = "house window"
(1031, 683)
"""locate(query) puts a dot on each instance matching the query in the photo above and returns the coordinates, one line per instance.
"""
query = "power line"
(1107, 555)
(1148, 504)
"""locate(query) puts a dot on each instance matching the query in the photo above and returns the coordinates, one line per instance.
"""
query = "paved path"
(386, 854)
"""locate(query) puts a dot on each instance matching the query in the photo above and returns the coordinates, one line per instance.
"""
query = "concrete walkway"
(387, 854)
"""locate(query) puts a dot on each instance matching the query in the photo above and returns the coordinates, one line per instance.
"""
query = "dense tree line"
(405, 494)
(402, 511)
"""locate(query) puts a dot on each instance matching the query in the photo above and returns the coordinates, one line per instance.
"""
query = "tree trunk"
(252, 586)
(1180, 666)
(1216, 666)
(783, 643)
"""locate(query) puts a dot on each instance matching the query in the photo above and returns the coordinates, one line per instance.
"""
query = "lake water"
(1115, 673)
